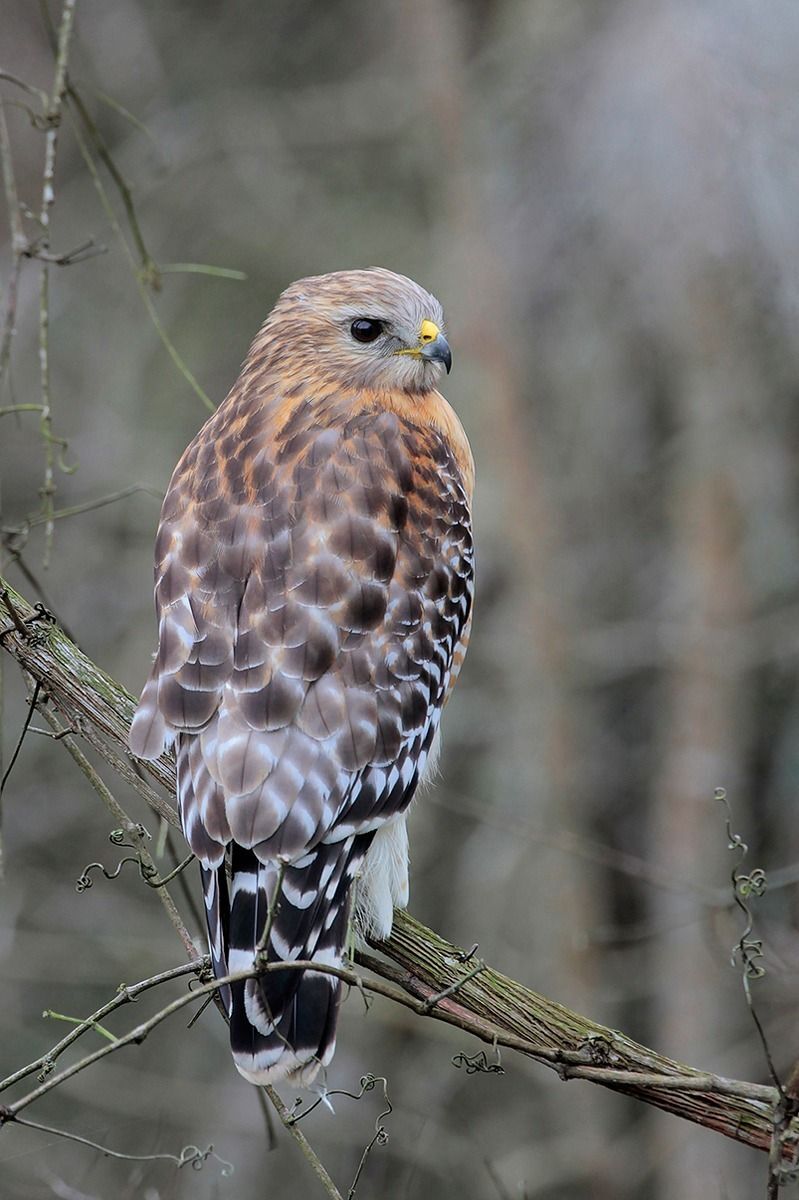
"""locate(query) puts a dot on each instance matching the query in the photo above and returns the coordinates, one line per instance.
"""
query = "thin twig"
(201, 269)
(8, 605)
(75, 510)
(116, 107)
(40, 95)
(452, 990)
(67, 258)
(95, 1025)
(189, 894)
(125, 995)
(25, 727)
(266, 1112)
(312, 1158)
(146, 275)
(189, 1155)
(148, 268)
(48, 199)
(18, 242)
(272, 911)
(16, 409)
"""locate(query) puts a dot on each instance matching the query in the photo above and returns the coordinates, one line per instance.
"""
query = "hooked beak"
(438, 351)
(432, 345)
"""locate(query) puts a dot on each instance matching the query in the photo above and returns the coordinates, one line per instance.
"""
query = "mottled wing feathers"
(313, 587)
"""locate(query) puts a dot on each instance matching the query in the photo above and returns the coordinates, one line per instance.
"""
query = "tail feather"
(283, 1023)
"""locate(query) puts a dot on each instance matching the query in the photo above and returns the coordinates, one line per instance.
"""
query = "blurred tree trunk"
(536, 721)
(701, 723)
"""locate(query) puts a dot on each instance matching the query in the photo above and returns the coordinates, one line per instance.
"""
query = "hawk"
(313, 587)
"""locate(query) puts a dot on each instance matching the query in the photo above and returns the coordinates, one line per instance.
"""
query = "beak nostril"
(428, 332)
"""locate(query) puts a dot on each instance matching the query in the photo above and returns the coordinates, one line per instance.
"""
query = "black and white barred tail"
(282, 1022)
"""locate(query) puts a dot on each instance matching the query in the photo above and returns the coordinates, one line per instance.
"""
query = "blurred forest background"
(603, 194)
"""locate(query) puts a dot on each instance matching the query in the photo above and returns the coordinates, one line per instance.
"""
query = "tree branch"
(428, 974)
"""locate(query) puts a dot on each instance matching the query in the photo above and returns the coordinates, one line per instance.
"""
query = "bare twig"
(15, 409)
(148, 268)
(53, 118)
(201, 269)
(315, 1163)
(8, 605)
(85, 506)
(125, 995)
(95, 1025)
(380, 1136)
(25, 87)
(67, 258)
(21, 738)
(432, 1001)
(189, 1156)
(146, 271)
(188, 894)
(274, 906)
(18, 242)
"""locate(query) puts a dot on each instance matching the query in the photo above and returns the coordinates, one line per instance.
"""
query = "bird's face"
(368, 329)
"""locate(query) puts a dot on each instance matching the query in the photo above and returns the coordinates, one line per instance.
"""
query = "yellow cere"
(427, 334)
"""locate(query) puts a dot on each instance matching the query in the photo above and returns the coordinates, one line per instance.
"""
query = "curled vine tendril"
(117, 836)
(367, 1083)
(747, 951)
(478, 1063)
(189, 1156)
(148, 873)
(753, 884)
(85, 881)
(194, 1157)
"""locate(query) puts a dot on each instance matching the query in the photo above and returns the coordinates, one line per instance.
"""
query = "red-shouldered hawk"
(313, 585)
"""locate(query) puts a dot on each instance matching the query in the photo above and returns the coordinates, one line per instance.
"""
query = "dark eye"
(366, 330)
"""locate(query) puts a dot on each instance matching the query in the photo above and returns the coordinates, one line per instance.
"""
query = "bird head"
(367, 329)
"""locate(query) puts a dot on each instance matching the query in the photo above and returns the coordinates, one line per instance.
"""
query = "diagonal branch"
(428, 974)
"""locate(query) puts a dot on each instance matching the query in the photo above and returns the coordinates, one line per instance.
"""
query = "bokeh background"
(603, 193)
